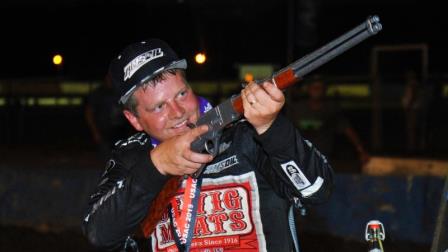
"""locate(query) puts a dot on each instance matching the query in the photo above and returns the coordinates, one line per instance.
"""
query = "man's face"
(165, 108)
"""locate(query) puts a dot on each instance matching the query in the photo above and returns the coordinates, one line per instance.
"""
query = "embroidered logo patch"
(228, 218)
(296, 175)
(141, 60)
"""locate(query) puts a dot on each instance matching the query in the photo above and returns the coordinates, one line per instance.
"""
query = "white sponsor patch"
(295, 175)
(140, 61)
(221, 165)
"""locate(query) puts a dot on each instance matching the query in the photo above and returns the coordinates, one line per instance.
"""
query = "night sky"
(90, 33)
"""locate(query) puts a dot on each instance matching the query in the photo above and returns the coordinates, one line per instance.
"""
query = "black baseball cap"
(140, 62)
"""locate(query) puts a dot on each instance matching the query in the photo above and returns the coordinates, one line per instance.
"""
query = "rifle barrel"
(295, 71)
(336, 47)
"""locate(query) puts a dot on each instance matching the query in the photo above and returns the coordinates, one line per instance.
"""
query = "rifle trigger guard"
(212, 145)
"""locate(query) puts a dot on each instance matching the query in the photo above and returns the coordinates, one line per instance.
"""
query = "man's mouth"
(180, 125)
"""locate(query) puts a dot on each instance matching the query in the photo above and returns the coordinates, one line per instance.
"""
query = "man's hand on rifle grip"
(175, 157)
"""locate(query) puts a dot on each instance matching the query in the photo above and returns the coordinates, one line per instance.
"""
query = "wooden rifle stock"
(232, 109)
(281, 80)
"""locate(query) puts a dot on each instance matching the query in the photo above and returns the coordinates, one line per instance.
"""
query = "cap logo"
(141, 60)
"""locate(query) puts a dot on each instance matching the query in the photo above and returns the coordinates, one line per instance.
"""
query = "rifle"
(232, 110)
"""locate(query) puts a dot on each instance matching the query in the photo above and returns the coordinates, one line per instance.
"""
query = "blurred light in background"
(57, 59)
(248, 77)
(200, 58)
(249, 72)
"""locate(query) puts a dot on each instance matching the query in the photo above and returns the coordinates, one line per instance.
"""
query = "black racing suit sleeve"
(122, 198)
(283, 143)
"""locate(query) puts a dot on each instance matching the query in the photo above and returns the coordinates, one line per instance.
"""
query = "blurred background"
(391, 91)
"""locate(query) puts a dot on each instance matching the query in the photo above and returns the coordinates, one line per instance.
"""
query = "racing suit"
(244, 199)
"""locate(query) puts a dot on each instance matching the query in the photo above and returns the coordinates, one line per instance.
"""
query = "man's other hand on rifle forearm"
(262, 103)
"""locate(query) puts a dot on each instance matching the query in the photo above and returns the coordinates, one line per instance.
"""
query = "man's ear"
(133, 120)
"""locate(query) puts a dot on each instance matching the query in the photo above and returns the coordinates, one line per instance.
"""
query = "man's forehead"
(161, 91)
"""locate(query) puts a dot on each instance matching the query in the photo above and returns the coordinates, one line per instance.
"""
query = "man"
(321, 120)
(246, 190)
(415, 102)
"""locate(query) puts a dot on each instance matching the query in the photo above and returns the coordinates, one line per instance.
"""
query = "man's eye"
(159, 108)
(183, 93)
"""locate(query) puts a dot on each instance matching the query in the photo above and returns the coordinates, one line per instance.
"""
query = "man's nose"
(176, 110)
